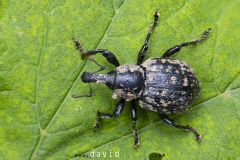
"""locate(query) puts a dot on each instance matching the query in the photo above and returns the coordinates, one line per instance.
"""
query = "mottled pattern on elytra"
(170, 86)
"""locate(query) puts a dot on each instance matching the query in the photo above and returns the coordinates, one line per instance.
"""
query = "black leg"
(144, 48)
(134, 119)
(171, 122)
(177, 48)
(111, 58)
(85, 95)
(116, 113)
(101, 66)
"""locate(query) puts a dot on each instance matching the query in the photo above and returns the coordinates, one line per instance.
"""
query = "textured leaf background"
(40, 70)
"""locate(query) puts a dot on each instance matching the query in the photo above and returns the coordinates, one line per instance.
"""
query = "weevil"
(164, 85)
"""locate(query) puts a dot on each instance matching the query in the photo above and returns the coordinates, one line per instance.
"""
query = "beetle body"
(163, 85)
(170, 86)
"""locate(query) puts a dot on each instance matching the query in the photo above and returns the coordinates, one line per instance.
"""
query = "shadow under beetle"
(163, 85)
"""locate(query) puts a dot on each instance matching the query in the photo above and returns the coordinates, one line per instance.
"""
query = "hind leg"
(171, 122)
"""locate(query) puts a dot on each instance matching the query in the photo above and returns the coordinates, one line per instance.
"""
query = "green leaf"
(40, 69)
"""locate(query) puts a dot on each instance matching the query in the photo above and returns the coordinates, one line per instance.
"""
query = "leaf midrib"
(49, 124)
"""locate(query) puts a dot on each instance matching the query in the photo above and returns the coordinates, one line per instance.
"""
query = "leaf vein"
(49, 124)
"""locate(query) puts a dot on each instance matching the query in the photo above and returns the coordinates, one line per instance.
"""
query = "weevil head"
(126, 81)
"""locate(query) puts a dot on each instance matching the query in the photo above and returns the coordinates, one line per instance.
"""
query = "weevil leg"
(134, 119)
(118, 110)
(177, 48)
(101, 66)
(111, 58)
(144, 48)
(85, 95)
(171, 122)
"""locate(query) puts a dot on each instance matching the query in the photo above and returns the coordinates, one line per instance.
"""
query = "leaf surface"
(40, 70)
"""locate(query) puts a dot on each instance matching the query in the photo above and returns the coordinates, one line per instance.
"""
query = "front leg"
(144, 48)
(90, 94)
(111, 58)
(177, 48)
(99, 65)
(118, 110)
